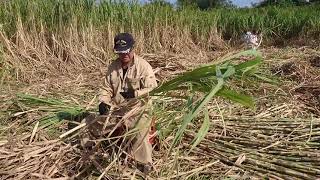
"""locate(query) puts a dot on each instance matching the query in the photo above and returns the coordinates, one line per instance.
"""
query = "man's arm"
(106, 93)
(148, 80)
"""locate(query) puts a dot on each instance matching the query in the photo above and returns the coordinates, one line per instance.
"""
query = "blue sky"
(243, 3)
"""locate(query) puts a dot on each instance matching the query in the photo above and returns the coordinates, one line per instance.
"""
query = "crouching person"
(129, 77)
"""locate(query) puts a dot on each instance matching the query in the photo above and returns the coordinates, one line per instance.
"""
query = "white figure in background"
(251, 40)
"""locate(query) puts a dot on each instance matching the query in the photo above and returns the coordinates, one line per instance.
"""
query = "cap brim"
(121, 50)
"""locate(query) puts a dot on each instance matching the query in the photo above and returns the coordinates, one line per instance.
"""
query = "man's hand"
(104, 108)
(127, 95)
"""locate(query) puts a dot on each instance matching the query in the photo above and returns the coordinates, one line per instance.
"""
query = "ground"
(279, 138)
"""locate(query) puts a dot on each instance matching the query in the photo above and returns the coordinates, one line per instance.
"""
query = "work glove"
(127, 95)
(104, 108)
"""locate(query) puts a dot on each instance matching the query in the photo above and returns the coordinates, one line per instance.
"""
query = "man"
(251, 40)
(129, 76)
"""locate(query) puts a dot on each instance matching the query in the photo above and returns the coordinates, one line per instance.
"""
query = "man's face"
(126, 57)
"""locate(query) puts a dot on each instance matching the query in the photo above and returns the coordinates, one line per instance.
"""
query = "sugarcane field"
(156, 89)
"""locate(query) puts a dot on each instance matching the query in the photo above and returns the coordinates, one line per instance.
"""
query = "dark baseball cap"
(123, 43)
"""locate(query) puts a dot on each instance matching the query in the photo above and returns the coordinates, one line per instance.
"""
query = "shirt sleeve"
(148, 80)
(106, 91)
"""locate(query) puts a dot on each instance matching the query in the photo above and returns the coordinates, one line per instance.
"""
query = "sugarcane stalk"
(281, 169)
(234, 146)
(272, 120)
(263, 143)
(253, 169)
(273, 162)
(249, 130)
(295, 153)
(293, 124)
(264, 162)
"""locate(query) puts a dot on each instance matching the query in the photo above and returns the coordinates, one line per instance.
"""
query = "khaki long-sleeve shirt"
(139, 77)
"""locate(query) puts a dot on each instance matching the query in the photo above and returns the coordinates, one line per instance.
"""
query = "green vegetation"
(211, 80)
(54, 112)
(159, 22)
(286, 3)
(209, 4)
(204, 115)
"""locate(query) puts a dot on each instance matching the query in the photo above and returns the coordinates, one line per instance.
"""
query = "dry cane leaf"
(240, 159)
(35, 153)
(34, 132)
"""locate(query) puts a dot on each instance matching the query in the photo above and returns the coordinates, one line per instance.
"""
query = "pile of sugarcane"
(276, 148)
